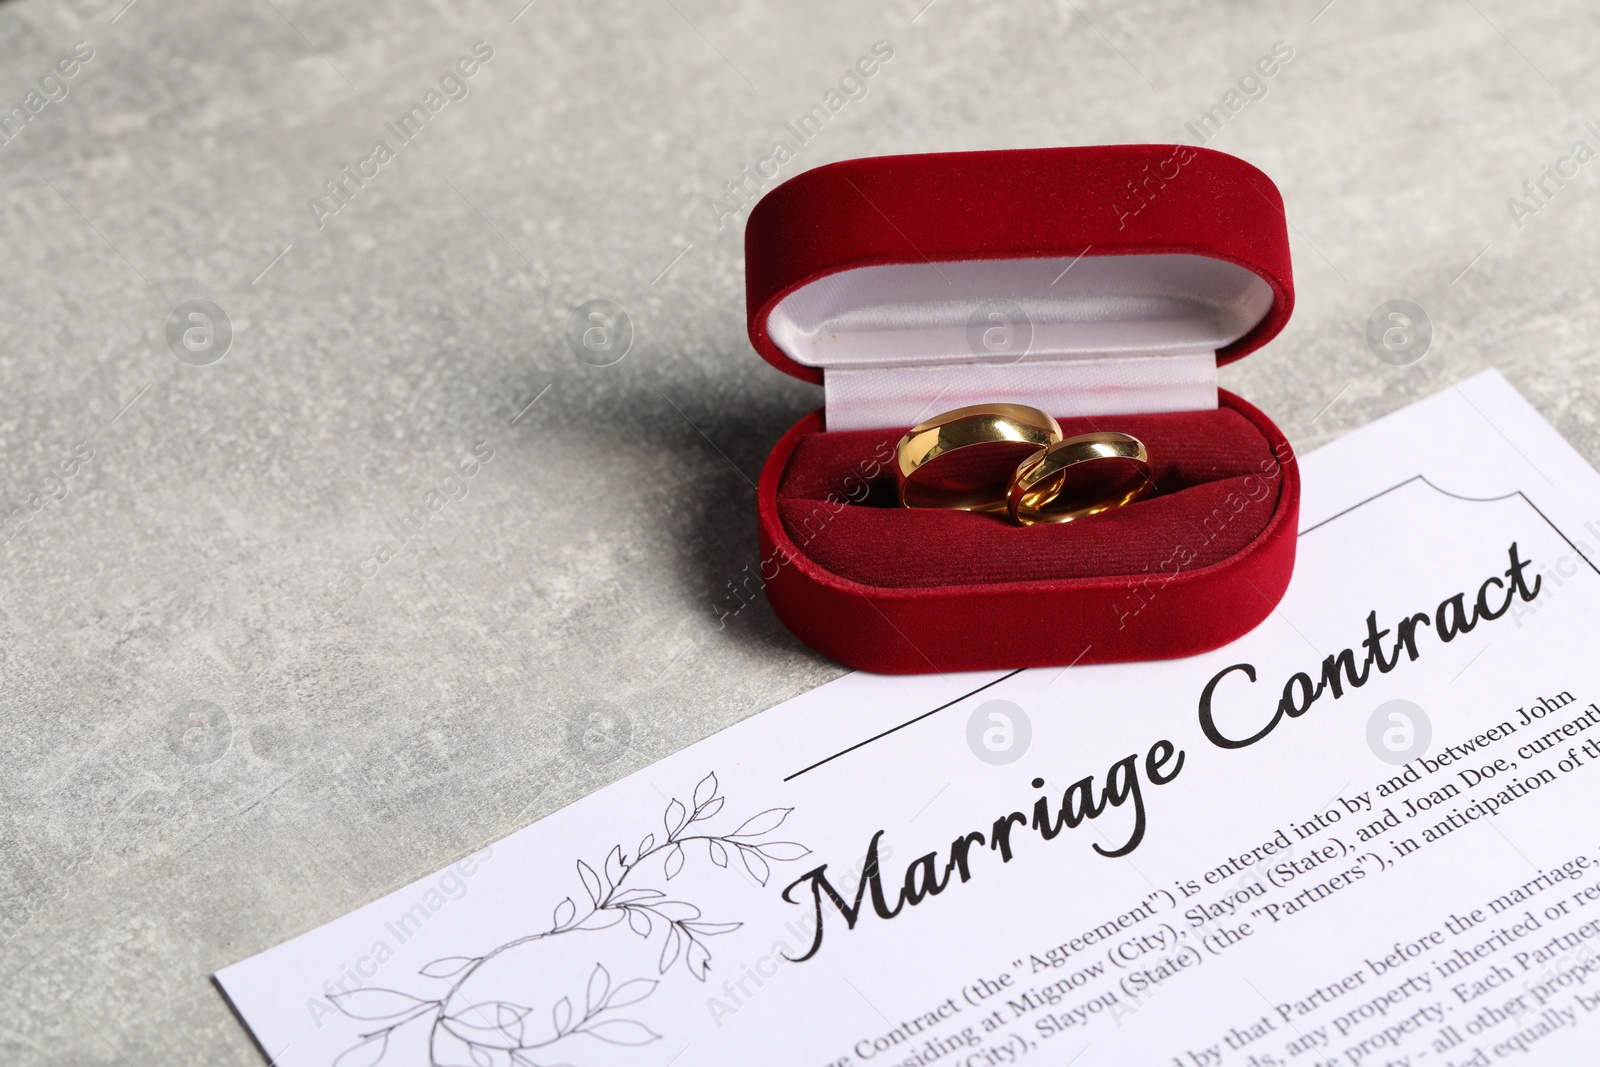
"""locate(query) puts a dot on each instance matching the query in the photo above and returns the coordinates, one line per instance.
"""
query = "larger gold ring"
(1039, 490)
(991, 439)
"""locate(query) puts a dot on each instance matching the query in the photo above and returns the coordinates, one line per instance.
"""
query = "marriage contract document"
(1363, 834)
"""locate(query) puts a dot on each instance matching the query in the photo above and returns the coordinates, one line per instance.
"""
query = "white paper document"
(1364, 834)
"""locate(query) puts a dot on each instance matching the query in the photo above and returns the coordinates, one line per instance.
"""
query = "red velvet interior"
(1218, 480)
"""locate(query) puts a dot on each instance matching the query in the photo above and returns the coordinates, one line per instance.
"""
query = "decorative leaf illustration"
(601, 919)
(712, 806)
(698, 959)
(670, 950)
(493, 1025)
(705, 790)
(623, 1032)
(763, 823)
(631, 992)
(561, 1014)
(782, 851)
(493, 1033)
(599, 987)
(676, 910)
(445, 968)
(631, 896)
(376, 1004)
(367, 1053)
(755, 865)
(591, 881)
(614, 868)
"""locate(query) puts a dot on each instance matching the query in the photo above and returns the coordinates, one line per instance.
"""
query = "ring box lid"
(1088, 280)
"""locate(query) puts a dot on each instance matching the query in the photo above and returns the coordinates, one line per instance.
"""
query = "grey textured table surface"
(218, 733)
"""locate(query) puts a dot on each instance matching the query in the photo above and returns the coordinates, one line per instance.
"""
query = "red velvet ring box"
(1103, 285)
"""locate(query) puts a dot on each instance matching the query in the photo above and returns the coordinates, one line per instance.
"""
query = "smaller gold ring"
(1038, 488)
(992, 437)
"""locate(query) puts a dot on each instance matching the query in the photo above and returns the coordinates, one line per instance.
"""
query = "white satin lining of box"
(868, 398)
(1090, 336)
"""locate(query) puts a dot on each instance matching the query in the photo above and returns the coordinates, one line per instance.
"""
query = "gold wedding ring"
(1079, 476)
(965, 459)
